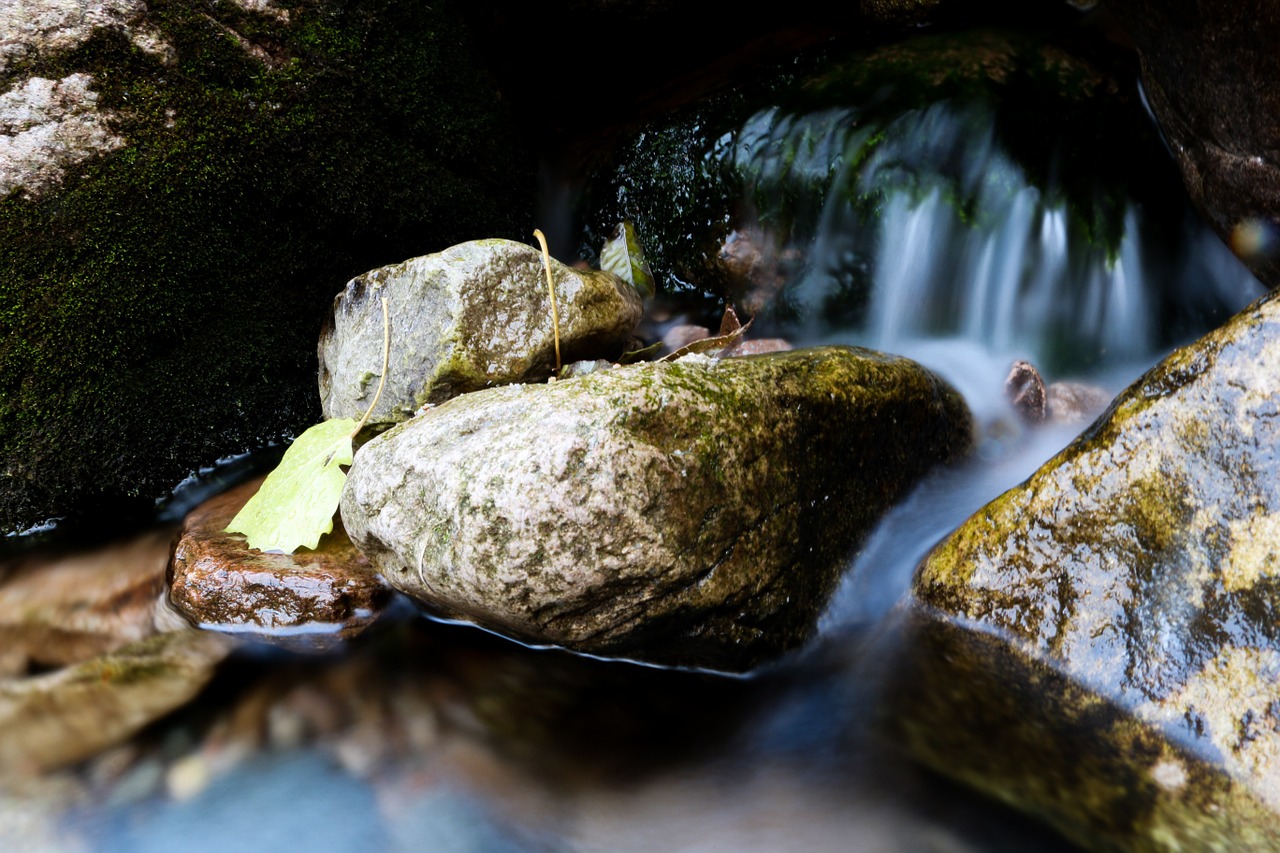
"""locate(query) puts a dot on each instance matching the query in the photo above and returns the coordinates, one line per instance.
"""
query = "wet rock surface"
(1123, 599)
(60, 609)
(692, 513)
(305, 600)
(475, 315)
(1209, 72)
(1059, 402)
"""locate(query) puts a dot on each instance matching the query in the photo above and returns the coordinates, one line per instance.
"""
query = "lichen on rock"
(47, 126)
(693, 513)
(475, 315)
(1137, 567)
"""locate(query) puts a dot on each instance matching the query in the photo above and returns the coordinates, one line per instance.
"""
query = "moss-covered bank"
(159, 309)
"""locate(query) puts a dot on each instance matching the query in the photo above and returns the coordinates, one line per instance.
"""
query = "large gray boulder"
(182, 188)
(1099, 645)
(691, 513)
(475, 315)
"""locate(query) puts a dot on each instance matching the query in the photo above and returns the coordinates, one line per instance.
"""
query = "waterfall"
(937, 233)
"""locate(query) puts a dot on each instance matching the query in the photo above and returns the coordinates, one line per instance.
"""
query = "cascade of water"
(943, 236)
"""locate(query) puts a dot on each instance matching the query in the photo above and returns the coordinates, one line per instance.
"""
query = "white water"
(963, 248)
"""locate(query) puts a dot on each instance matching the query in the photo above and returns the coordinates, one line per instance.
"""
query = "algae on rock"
(1135, 572)
(475, 315)
(693, 513)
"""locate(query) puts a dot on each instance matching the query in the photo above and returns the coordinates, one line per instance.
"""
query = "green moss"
(161, 308)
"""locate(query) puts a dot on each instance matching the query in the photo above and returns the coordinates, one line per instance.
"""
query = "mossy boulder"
(693, 513)
(1099, 645)
(475, 315)
(187, 185)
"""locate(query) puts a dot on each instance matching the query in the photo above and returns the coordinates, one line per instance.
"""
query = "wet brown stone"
(1210, 72)
(57, 610)
(305, 599)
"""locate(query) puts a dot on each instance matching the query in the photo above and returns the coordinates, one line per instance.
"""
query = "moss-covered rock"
(160, 296)
(475, 315)
(818, 147)
(68, 715)
(694, 512)
(1117, 611)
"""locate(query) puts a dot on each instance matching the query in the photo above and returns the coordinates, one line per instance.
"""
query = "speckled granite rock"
(475, 315)
(693, 513)
(1099, 645)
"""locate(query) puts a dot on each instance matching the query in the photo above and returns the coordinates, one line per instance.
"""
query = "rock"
(1209, 71)
(475, 315)
(65, 716)
(60, 609)
(693, 513)
(759, 346)
(305, 600)
(1061, 402)
(1099, 644)
(183, 190)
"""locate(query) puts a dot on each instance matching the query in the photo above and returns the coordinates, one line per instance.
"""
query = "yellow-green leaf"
(295, 505)
(622, 256)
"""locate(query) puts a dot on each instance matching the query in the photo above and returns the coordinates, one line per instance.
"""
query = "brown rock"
(66, 716)
(59, 610)
(760, 346)
(307, 599)
(1061, 402)
(1210, 72)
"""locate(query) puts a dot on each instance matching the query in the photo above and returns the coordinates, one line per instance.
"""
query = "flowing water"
(528, 750)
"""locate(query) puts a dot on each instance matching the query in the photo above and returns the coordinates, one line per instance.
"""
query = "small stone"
(308, 599)
(473, 316)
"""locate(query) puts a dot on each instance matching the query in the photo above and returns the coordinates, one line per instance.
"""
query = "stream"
(425, 735)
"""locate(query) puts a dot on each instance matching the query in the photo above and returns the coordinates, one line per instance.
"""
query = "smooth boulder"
(475, 315)
(692, 513)
(308, 600)
(1099, 645)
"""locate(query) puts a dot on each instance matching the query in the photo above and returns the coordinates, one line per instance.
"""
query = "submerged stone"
(61, 717)
(305, 600)
(693, 513)
(1113, 617)
(60, 609)
(475, 315)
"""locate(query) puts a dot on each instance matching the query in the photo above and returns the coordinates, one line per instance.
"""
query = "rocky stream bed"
(862, 572)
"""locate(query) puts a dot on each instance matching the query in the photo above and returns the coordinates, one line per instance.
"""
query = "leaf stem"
(555, 315)
(386, 360)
